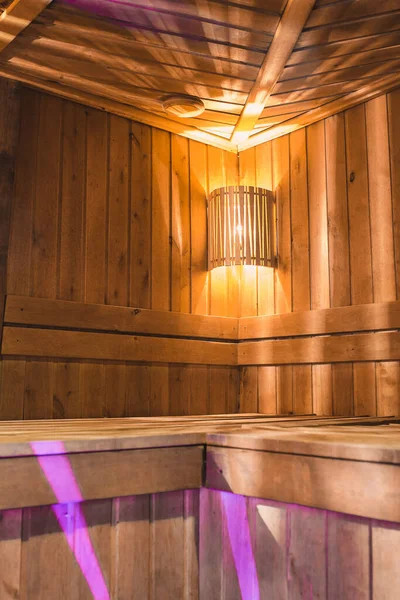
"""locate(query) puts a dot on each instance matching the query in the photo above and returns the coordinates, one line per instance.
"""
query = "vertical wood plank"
(43, 278)
(191, 507)
(211, 545)
(179, 389)
(322, 389)
(342, 389)
(71, 267)
(200, 385)
(140, 237)
(115, 390)
(160, 236)
(358, 198)
(338, 218)
(12, 389)
(168, 545)
(385, 551)
(180, 226)
(300, 252)
(138, 390)
(159, 391)
(248, 389)
(266, 282)
(131, 533)
(19, 256)
(10, 553)
(348, 557)
(39, 380)
(48, 567)
(267, 397)
(283, 278)
(66, 396)
(339, 252)
(387, 383)
(270, 534)
(359, 215)
(393, 100)
(283, 272)
(380, 197)
(198, 229)
(118, 212)
(92, 389)
(96, 206)
(306, 553)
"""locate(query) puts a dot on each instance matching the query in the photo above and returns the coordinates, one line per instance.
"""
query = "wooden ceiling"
(262, 67)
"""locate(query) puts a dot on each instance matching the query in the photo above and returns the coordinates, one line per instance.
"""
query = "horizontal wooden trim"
(338, 485)
(24, 341)
(344, 319)
(78, 315)
(101, 475)
(318, 350)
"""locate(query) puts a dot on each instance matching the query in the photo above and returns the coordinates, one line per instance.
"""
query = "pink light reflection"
(59, 474)
(240, 540)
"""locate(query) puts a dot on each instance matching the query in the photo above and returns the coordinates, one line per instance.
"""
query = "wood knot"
(352, 176)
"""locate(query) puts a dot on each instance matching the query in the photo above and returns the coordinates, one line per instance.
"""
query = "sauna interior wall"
(337, 186)
(113, 212)
(110, 211)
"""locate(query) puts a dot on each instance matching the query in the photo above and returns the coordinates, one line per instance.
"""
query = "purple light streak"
(240, 540)
(59, 474)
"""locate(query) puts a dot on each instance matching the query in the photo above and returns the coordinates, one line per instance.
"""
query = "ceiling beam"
(287, 33)
(117, 108)
(17, 16)
(367, 92)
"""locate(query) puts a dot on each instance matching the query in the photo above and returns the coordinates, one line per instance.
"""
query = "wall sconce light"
(241, 227)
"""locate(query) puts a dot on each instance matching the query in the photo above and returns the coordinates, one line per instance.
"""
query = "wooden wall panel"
(281, 551)
(110, 211)
(141, 547)
(337, 191)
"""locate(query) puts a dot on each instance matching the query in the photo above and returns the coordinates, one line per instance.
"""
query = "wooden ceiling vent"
(183, 106)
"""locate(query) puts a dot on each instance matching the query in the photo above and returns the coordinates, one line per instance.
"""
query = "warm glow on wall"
(241, 227)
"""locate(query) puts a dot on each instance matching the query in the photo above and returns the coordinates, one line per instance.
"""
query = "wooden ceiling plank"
(336, 50)
(126, 80)
(289, 29)
(232, 16)
(381, 86)
(17, 16)
(118, 108)
(337, 81)
(349, 11)
(94, 30)
(139, 67)
(175, 31)
(300, 106)
(341, 63)
(342, 33)
(129, 49)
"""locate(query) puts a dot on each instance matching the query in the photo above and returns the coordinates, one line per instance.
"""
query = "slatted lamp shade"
(241, 227)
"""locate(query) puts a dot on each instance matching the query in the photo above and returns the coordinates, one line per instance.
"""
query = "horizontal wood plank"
(99, 475)
(320, 350)
(24, 310)
(22, 341)
(343, 319)
(337, 485)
